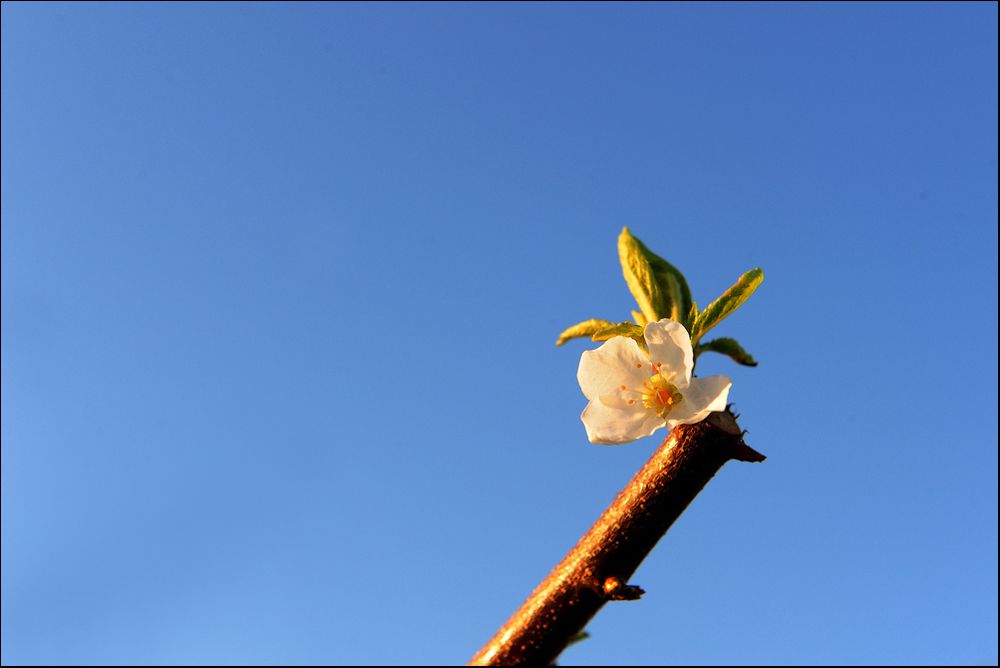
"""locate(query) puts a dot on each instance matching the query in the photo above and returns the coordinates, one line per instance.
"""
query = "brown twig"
(596, 570)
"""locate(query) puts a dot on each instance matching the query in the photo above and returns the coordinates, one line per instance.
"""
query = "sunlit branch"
(596, 569)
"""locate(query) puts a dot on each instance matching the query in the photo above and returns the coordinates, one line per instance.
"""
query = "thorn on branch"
(616, 590)
(745, 453)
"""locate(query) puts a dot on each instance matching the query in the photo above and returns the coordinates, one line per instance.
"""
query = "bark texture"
(597, 569)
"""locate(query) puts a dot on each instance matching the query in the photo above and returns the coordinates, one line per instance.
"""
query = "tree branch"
(595, 571)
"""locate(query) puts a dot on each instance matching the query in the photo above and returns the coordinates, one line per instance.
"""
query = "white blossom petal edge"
(632, 395)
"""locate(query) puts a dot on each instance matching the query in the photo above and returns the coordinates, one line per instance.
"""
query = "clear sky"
(281, 285)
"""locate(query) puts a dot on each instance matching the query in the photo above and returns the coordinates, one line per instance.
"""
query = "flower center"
(660, 395)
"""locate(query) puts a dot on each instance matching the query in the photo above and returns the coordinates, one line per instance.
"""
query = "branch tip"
(744, 453)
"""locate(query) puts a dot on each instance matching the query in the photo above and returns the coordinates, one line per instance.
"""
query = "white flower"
(633, 394)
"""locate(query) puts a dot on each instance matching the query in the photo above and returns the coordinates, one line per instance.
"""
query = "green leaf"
(579, 637)
(730, 300)
(639, 318)
(629, 329)
(642, 281)
(728, 347)
(692, 316)
(585, 328)
(673, 290)
(663, 271)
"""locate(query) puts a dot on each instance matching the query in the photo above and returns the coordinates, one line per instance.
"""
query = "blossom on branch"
(633, 394)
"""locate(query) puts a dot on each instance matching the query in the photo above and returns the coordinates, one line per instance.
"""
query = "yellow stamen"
(660, 395)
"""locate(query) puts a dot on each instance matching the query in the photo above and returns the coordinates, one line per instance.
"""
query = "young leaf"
(629, 329)
(730, 300)
(692, 316)
(728, 347)
(585, 328)
(673, 290)
(661, 270)
(640, 277)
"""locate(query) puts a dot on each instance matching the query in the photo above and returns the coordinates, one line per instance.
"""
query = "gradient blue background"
(280, 291)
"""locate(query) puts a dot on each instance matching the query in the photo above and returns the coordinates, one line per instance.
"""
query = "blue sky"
(280, 285)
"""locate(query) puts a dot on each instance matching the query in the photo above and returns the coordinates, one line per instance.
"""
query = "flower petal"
(619, 423)
(618, 362)
(702, 396)
(670, 345)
